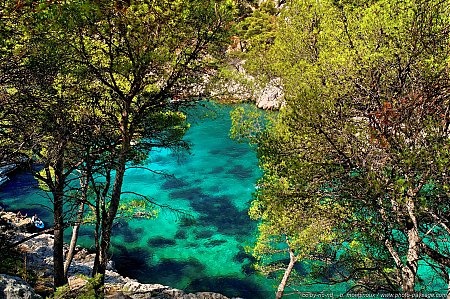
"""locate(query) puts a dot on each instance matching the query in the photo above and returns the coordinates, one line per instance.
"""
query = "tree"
(108, 93)
(364, 130)
(39, 122)
(258, 29)
(144, 59)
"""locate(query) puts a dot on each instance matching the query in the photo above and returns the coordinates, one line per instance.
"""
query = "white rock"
(12, 287)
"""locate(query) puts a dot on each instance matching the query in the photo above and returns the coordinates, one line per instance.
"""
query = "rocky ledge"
(239, 86)
(6, 169)
(38, 255)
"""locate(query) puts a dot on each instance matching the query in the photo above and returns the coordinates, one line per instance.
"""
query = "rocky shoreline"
(5, 170)
(38, 257)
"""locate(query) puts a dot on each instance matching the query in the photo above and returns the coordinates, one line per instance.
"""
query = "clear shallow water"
(213, 184)
(202, 253)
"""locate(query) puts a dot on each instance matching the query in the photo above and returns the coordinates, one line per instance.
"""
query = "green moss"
(85, 292)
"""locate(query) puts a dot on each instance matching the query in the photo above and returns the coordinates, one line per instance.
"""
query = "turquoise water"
(212, 184)
(204, 251)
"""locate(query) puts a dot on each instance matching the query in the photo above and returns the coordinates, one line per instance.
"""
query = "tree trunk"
(108, 219)
(436, 256)
(58, 233)
(287, 273)
(72, 245)
(109, 215)
(73, 240)
(409, 271)
(448, 287)
(100, 214)
(97, 236)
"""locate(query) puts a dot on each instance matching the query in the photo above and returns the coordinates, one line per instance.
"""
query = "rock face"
(39, 255)
(241, 86)
(12, 287)
(6, 169)
(271, 96)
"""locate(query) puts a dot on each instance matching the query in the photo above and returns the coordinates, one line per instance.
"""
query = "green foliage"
(14, 262)
(43, 173)
(358, 152)
(248, 123)
(137, 209)
(254, 32)
(257, 31)
(93, 86)
(85, 292)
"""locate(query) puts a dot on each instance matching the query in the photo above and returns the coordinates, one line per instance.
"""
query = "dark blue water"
(202, 250)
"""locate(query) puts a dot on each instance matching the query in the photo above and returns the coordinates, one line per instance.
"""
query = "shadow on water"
(299, 267)
(175, 270)
(214, 189)
(193, 245)
(191, 194)
(203, 234)
(138, 264)
(86, 231)
(248, 269)
(132, 262)
(238, 152)
(228, 286)
(222, 152)
(181, 234)
(233, 151)
(242, 256)
(217, 170)
(247, 261)
(218, 211)
(20, 183)
(214, 243)
(187, 221)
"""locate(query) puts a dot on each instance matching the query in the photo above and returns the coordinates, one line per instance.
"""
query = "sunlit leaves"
(136, 209)
(366, 89)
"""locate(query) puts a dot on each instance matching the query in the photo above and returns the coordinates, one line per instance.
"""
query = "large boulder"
(12, 287)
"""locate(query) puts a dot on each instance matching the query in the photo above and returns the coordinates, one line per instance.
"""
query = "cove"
(200, 251)
(204, 251)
